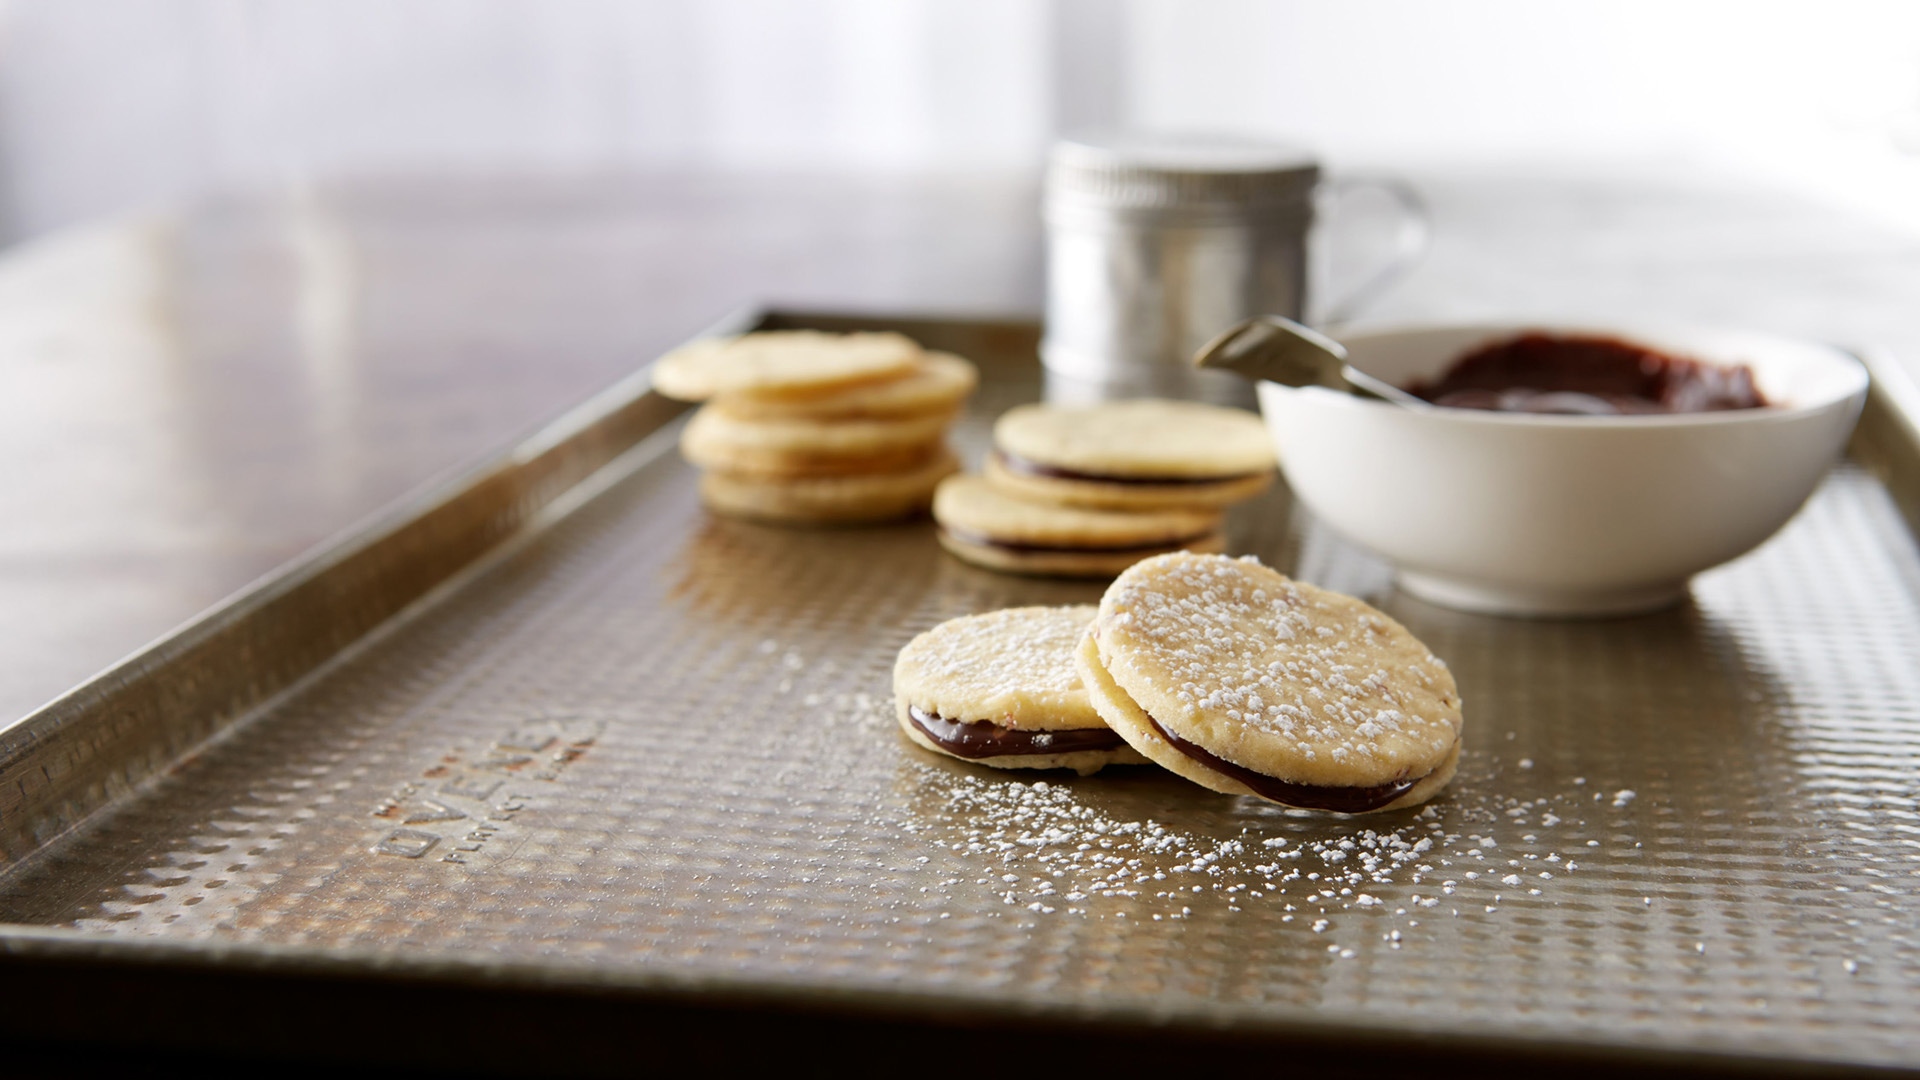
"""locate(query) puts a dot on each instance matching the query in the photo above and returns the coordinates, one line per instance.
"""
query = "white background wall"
(106, 104)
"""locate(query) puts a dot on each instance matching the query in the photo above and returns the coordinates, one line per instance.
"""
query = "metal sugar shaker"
(1155, 244)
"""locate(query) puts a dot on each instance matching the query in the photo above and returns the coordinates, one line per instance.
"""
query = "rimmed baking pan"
(547, 767)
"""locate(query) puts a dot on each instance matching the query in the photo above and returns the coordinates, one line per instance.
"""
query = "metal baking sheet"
(553, 727)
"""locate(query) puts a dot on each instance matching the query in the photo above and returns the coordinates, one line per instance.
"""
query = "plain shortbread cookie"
(937, 383)
(1012, 668)
(974, 505)
(1141, 440)
(715, 440)
(781, 362)
(1276, 676)
(985, 525)
(827, 500)
(1095, 494)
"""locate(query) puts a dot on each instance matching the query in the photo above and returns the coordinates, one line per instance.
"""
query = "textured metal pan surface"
(645, 738)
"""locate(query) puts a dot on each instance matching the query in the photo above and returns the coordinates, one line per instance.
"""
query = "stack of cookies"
(810, 428)
(1220, 670)
(1088, 492)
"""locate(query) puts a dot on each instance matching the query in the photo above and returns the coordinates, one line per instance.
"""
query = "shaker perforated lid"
(1173, 173)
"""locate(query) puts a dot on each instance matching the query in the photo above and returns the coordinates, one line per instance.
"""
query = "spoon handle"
(1366, 385)
(1277, 349)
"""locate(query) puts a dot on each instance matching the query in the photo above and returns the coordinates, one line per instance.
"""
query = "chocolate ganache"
(1017, 464)
(980, 739)
(1585, 375)
(1345, 800)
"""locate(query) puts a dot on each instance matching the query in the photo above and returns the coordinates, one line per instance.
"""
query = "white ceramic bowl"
(1558, 515)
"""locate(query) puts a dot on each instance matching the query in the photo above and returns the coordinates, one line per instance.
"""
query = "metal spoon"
(1280, 350)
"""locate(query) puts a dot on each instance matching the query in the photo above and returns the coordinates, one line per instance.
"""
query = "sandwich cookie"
(782, 362)
(937, 383)
(714, 439)
(1249, 683)
(1002, 689)
(827, 500)
(1132, 454)
(987, 526)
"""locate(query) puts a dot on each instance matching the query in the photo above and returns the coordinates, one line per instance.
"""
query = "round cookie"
(781, 362)
(1132, 454)
(938, 383)
(1249, 683)
(715, 440)
(1002, 689)
(827, 500)
(986, 526)
(1108, 495)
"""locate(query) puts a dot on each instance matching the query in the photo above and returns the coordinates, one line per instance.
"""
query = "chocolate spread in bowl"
(1584, 375)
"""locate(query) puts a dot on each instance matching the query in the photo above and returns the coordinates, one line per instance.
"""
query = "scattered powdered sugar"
(1286, 659)
(1046, 849)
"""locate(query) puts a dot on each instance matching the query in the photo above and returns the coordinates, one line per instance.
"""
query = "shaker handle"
(1411, 241)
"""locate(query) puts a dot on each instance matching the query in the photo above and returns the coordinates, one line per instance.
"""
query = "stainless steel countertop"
(192, 397)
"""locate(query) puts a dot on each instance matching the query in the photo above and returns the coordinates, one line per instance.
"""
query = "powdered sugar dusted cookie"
(827, 500)
(1132, 454)
(1249, 683)
(937, 383)
(781, 362)
(1002, 689)
(987, 526)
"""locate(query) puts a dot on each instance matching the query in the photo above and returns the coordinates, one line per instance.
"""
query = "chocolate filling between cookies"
(1344, 800)
(981, 539)
(1017, 464)
(980, 739)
